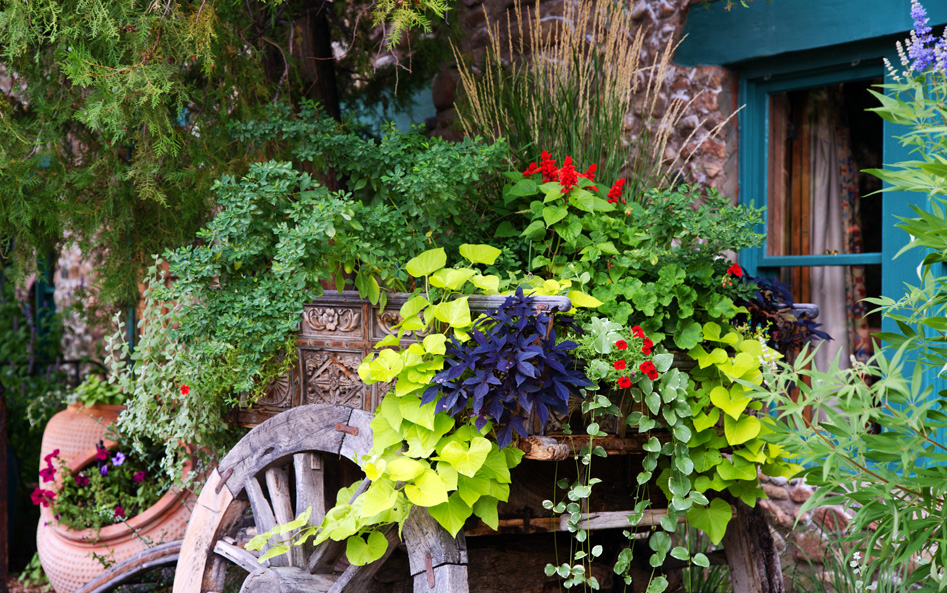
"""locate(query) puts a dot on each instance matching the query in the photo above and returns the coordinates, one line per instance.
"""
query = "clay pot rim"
(78, 407)
(140, 521)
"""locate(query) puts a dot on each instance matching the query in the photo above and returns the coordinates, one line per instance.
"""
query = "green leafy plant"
(95, 391)
(575, 100)
(33, 575)
(876, 447)
(423, 455)
(116, 487)
(655, 264)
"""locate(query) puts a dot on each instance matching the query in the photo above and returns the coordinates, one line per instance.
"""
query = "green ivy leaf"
(712, 520)
(361, 552)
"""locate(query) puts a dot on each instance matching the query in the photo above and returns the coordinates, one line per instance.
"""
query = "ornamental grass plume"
(570, 84)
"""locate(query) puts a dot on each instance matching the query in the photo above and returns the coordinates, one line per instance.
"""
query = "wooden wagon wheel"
(158, 559)
(296, 446)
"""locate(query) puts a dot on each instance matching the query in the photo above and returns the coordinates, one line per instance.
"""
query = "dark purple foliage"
(510, 369)
(772, 304)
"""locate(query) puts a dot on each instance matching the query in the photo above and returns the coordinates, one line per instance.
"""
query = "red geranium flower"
(736, 270)
(621, 344)
(185, 389)
(620, 365)
(624, 382)
(637, 332)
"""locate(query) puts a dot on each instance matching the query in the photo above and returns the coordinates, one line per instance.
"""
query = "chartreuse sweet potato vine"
(420, 456)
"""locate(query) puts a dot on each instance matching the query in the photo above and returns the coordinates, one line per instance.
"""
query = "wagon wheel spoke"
(326, 554)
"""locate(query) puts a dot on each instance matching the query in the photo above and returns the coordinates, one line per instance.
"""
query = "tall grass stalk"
(575, 85)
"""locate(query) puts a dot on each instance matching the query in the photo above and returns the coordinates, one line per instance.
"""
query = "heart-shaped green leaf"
(413, 306)
(427, 490)
(451, 278)
(712, 520)
(488, 284)
(703, 421)
(732, 401)
(427, 263)
(455, 313)
(361, 552)
(486, 509)
(742, 430)
(580, 299)
(467, 461)
(379, 497)
(451, 514)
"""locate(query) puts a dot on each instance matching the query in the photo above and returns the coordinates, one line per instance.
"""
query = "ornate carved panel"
(331, 377)
(331, 321)
(280, 392)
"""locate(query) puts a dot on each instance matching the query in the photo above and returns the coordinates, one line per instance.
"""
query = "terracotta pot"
(77, 429)
(67, 555)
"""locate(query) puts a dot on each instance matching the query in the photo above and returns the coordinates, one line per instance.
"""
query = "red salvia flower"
(590, 174)
(621, 344)
(620, 365)
(624, 382)
(547, 166)
(531, 170)
(616, 190)
(567, 176)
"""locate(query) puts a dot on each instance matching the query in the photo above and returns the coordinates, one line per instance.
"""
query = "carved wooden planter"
(335, 333)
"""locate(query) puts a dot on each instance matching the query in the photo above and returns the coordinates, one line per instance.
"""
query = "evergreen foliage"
(116, 125)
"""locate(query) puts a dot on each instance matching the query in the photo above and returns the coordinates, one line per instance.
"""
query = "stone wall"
(83, 334)
(712, 89)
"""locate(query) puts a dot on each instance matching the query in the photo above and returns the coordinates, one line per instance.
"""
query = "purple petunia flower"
(118, 459)
(48, 473)
(82, 480)
(138, 477)
(104, 470)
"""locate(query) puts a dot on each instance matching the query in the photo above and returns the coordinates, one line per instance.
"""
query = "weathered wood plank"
(242, 558)
(562, 447)
(751, 552)
(430, 544)
(310, 491)
(447, 578)
(616, 519)
(262, 513)
(200, 536)
(354, 446)
(286, 580)
(305, 428)
(277, 483)
(358, 578)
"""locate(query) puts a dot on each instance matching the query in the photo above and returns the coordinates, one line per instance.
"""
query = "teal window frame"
(755, 90)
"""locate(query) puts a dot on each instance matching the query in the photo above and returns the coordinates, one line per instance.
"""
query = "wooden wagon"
(311, 425)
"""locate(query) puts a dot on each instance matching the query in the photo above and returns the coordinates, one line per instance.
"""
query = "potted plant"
(94, 406)
(101, 507)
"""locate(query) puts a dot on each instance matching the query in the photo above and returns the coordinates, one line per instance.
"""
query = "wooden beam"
(590, 521)
(562, 447)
